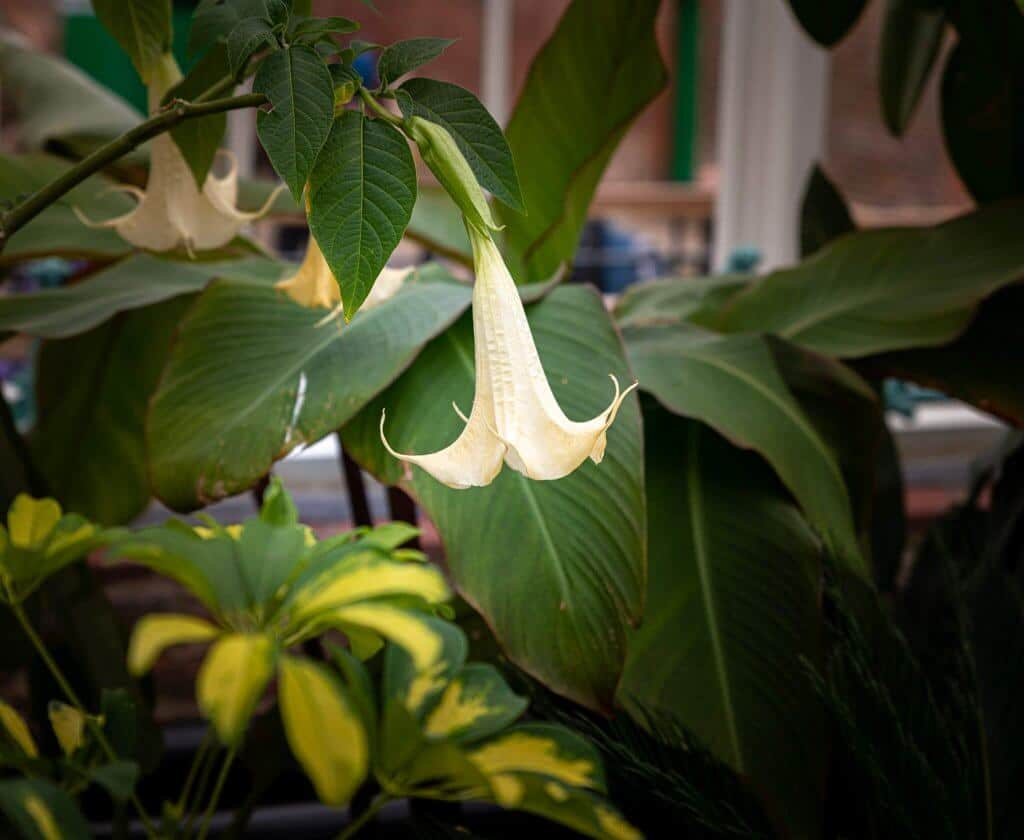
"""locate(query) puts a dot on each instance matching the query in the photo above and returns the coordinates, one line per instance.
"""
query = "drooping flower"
(515, 417)
(313, 285)
(172, 211)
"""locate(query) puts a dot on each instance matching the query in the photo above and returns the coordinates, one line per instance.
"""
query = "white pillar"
(773, 105)
(496, 58)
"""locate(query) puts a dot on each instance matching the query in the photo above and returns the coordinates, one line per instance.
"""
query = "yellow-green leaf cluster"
(39, 540)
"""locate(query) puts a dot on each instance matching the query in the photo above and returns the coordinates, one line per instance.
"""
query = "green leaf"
(118, 778)
(57, 231)
(911, 37)
(556, 567)
(474, 130)
(54, 100)
(733, 384)
(298, 85)
(980, 123)
(437, 225)
(597, 72)
(199, 139)
(889, 289)
(248, 36)
(731, 611)
(314, 29)
(361, 194)
(981, 367)
(214, 20)
(92, 391)
(240, 357)
(141, 27)
(405, 56)
(824, 215)
(134, 283)
(39, 810)
(324, 729)
(692, 299)
(827, 22)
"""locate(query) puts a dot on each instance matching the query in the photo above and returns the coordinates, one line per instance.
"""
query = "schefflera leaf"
(324, 729)
(40, 540)
(450, 735)
(232, 679)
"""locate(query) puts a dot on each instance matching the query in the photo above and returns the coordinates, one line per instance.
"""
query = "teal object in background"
(93, 50)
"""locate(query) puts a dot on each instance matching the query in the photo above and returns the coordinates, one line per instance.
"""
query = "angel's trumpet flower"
(515, 416)
(313, 285)
(172, 211)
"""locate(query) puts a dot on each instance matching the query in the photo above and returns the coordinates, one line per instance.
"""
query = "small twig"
(175, 112)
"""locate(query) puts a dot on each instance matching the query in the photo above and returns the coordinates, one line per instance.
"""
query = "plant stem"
(193, 771)
(377, 108)
(217, 788)
(359, 822)
(175, 112)
(69, 693)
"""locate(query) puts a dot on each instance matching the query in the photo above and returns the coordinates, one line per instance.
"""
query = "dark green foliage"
(660, 775)
(907, 760)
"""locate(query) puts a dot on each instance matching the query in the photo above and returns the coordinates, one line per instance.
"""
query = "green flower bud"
(441, 153)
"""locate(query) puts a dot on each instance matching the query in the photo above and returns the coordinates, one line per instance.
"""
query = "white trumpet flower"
(515, 417)
(313, 285)
(172, 211)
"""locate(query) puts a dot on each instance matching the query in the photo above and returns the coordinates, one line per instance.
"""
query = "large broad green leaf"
(827, 22)
(981, 123)
(824, 215)
(199, 139)
(298, 85)
(437, 225)
(555, 567)
(57, 231)
(595, 74)
(361, 195)
(911, 38)
(92, 391)
(135, 282)
(733, 383)
(252, 376)
(731, 617)
(141, 27)
(982, 367)
(474, 130)
(55, 100)
(693, 299)
(880, 290)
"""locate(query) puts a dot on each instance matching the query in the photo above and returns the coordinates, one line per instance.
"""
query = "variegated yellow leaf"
(155, 633)
(30, 521)
(477, 703)
(544, 750)
(42, 817)
(406, 629)
(323, 729)
(17, 730)
(368, 575)
(68, 725)
(232, 679)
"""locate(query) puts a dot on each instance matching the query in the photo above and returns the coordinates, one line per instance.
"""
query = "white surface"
(496, 58)
(771, 129)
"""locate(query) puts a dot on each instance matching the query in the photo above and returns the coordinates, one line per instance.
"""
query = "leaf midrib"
(703, 562)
